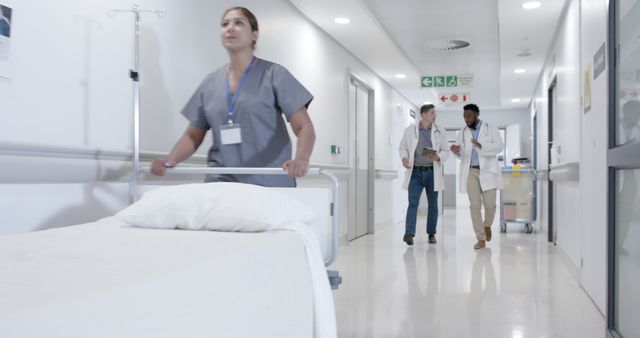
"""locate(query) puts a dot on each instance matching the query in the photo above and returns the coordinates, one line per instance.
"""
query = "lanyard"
(231, 101)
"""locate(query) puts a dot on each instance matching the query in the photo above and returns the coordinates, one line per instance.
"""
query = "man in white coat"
(477, 146)
(423, 150)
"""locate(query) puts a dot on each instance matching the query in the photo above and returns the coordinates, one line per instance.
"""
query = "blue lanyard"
(231, 101)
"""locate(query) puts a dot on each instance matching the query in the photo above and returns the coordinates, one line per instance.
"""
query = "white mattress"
(107, 279)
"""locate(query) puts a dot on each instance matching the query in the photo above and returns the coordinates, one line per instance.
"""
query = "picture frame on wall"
(6, 20)
(6, 14)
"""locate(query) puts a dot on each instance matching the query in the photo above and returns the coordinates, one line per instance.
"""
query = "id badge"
(230, 134)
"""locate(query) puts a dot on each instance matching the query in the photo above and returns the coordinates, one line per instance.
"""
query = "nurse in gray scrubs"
(242, 103)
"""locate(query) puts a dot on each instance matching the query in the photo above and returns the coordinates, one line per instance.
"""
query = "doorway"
(623, 162)
(361, 159)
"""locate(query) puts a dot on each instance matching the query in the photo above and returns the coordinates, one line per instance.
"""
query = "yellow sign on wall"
(586, 96)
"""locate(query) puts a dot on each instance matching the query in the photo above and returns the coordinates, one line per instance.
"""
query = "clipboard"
(428, 151)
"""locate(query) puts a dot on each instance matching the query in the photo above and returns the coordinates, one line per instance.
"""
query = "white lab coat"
(408, 145)
(490, 173)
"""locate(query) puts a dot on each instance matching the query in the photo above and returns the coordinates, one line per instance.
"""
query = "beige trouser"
(477, 197)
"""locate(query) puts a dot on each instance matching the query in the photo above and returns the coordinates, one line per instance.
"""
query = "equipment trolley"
(518, 198)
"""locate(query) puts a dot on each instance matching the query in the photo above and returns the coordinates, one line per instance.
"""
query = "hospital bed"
(110, 278)
(134, 275)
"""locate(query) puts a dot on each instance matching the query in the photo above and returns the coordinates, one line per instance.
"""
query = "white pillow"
(219, 206)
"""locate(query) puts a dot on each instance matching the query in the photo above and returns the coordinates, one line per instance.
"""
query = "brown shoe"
(479, 245)
(487, 233)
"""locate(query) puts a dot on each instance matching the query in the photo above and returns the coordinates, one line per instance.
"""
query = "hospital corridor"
(517, 287)
(319, 168)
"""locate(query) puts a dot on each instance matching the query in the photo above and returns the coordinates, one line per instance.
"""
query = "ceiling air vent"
(525, 52)
(448, 45)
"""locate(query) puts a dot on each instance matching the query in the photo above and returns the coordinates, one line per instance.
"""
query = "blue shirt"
(474, 151)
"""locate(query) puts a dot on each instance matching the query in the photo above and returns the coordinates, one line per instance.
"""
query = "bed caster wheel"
(334, 279)
(503, 227)
(528, 228)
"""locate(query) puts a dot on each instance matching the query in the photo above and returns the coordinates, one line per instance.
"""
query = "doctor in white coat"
(477, 146)
(423, 150)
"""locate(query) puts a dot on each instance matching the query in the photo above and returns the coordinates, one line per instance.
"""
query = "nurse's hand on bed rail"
(159, 166)
(296, 168)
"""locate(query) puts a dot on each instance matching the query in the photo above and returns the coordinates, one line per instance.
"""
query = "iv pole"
(135, 77)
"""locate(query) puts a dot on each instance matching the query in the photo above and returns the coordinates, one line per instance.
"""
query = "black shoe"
(408, 238)
(432, 239)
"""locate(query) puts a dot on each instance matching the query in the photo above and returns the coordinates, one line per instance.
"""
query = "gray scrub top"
(268, 92)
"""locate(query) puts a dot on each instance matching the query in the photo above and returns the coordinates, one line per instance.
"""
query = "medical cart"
(518, 198)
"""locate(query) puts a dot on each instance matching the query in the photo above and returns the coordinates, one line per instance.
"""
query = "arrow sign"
(427, 81)
(454, 98)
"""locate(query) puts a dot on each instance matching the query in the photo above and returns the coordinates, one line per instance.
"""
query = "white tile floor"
(517, 287)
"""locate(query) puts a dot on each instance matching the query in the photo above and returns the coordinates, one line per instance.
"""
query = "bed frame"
(334, 276)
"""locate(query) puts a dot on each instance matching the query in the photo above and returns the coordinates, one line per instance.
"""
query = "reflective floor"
(517, 287)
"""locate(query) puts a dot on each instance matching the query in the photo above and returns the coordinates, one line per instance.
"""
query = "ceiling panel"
(400, 32)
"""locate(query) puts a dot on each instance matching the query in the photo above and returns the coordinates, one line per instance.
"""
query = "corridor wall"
(582, 136)
(67, 96)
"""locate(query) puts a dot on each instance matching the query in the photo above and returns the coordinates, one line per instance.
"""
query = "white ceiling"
(392, 37)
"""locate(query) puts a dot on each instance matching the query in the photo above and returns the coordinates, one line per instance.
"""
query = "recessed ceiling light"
(519, 70)
(427, 102)
(342, 21)
(531, 5)
(515, 100)
(400, 76)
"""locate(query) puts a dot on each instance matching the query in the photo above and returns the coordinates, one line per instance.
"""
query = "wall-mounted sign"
(454, 98)
(463, 80)
(412, 113)
(599, 62)
(586, 96)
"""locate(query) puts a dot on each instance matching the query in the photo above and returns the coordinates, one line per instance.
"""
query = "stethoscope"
(416, 131)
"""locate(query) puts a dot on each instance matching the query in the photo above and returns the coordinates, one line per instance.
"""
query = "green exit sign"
(465, 80)
(427, 81)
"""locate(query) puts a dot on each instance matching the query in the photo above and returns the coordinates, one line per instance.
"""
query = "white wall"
(567, 131)
(68, 66)
(564, 65)
(391, 201)
(69, 87)
(593, 157)
(582, 138)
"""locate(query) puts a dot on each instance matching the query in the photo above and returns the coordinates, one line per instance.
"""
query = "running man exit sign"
(464, 80)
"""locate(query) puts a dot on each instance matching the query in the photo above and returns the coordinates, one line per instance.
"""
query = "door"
(551, 224)
(361, 190)
(450, 191)
(623, 161)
